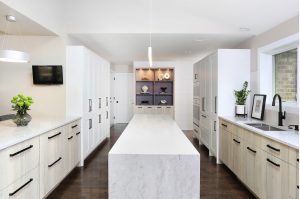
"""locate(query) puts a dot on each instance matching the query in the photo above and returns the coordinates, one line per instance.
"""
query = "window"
(285, 75)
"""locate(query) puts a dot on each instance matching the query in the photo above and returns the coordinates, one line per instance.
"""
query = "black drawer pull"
(140, 107)
(78, 133)
(196, 130)
(70, 138)
(50, 165)
(158, 107)
(169, 107)
(21, 187)
(297, 186)
(74, 126)
(297, 159)
(251, 150)
(236, 141)
(196, 124)
(224, 125)
(273, 148)
(203, 116)
(277, 165)
(57, 134)
(21, 151)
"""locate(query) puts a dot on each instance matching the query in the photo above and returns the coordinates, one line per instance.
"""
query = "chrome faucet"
(281, 115)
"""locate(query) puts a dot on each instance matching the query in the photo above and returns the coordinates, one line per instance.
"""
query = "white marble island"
(153, 159)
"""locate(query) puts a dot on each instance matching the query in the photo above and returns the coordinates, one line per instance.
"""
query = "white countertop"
(10, 134)
(153, 134)
(288, 137)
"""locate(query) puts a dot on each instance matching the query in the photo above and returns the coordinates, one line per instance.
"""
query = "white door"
(112, 98)
(123, 86)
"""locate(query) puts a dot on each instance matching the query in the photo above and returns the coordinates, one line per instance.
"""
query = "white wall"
(183, 90)
(17, 78)
(279, 32)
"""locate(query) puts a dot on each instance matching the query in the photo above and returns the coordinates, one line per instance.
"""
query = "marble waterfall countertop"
(153, 134)
(10, 134)
(153, 159)
(288, 137)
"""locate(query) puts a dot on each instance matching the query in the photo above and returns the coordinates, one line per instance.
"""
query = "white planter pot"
(240, 109)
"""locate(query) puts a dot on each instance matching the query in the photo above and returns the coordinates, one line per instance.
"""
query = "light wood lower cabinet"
(254, 176)
(167, 110)
(25, 187)
(269, 169)
(51, 159)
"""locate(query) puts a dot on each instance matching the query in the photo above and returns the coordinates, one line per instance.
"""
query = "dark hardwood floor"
(91, 181)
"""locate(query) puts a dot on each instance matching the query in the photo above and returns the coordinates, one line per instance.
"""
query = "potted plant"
(21, 104)
(240, 99)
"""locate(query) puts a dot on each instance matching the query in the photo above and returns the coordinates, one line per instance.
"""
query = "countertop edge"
(252, 129)
(17, 140)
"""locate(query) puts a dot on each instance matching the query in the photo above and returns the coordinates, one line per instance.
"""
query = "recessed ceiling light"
(244, 29)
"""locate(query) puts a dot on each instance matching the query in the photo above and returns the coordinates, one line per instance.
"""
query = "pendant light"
(150, 37)
(7, 55)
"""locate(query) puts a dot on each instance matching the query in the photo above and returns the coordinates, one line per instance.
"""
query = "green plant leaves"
(241, 95)
(21, 103)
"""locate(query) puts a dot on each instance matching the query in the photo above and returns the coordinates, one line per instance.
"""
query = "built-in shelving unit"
(159, 84)
(154, 91)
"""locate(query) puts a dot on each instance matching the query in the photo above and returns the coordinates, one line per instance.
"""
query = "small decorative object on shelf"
(167, 76)
(144, 102)
(145, 78)
(163, 102)
(145, 89)
(160, 77)
(258, 107)
(241, 98)
(21, 104)
(163, 90)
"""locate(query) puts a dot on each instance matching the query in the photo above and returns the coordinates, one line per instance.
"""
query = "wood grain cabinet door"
(277, 173)
(254, 174)
(237, 156)
(293, 182)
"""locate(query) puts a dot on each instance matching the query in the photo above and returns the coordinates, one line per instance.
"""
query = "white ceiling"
(23, 26)
(125, 48)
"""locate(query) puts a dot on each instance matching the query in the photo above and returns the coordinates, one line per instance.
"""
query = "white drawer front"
(25, 187)
(17, 160)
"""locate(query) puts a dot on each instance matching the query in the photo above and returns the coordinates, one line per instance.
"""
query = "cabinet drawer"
(293, 157)
(237, 131)
(25, 187)
(252, 138)
(204, 121)
(227, 126)
(276, 149)
(17, 160)
(52, 159)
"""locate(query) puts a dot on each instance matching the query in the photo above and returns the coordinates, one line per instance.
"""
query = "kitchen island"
(153, 159)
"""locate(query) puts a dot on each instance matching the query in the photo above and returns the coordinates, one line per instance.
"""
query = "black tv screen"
(47, 74)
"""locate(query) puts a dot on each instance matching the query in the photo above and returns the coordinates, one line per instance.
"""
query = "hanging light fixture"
(150, 37)
(7, 55)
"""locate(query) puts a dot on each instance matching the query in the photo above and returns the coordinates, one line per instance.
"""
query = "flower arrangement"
(21, 103)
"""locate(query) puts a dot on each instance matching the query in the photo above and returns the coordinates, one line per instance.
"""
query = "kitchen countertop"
(288, 137)
(10, 134)
(153, 134)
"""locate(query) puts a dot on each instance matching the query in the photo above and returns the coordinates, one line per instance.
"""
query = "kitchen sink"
(264, 127)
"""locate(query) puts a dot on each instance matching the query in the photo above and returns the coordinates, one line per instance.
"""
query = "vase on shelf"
(22, 119)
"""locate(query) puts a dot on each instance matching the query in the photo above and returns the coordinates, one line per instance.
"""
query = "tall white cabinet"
(87, 95)
(217, 76)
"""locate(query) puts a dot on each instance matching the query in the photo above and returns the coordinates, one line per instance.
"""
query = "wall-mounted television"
(46, 74)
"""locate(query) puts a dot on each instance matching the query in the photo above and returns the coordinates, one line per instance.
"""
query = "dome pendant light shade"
(14, 56)
(150, 56)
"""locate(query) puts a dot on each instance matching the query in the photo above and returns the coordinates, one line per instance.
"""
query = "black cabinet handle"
(106, 114)
(159, 107)
(100, 103)
(57, 134)
(203, 104)
(21, 151)
(297, 186)
(297, 159)
(168, 107)
(269, 146)
(74, 126)
(196, 124)
(236, 141)
(251, 150)
(215, 104)
(224, 125)
(56, 161)
(90, 124)
(203, 116)
(140, 107)
(277, 165)
(78, 133)
(215, 126)
(196, 130)
(100, 119)
(70, 138)
(21, 187)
